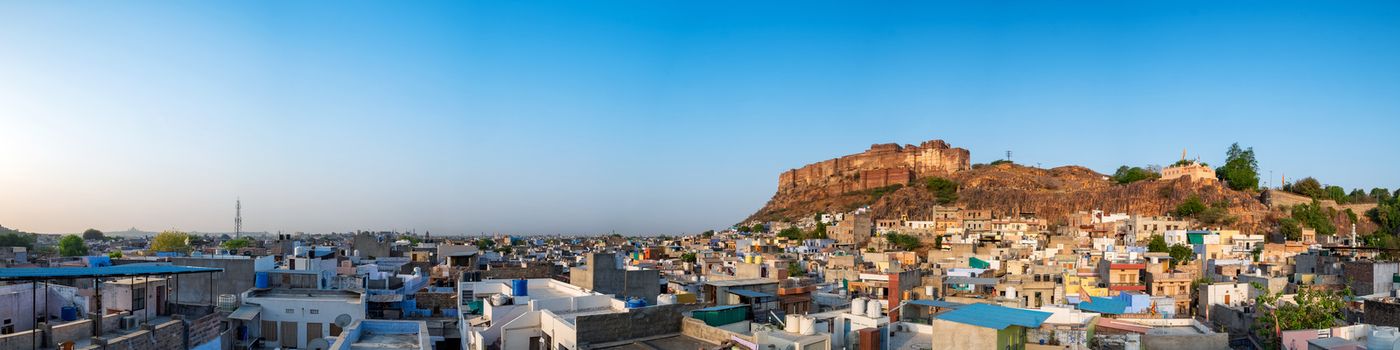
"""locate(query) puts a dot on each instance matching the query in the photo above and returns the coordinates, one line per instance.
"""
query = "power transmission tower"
(238, 218)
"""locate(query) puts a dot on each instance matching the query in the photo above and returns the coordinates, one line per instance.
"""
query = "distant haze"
(643, 117)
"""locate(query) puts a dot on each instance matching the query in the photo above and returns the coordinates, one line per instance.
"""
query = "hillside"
(1004, 189)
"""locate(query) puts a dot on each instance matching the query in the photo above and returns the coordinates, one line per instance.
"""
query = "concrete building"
(604, 273)
(294, 318)
(985, 326)
(383, 335)
(1138, 229)
(517, 314)
(237, 276)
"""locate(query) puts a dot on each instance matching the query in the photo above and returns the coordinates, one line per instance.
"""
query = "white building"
(292, 318)
(547, 312)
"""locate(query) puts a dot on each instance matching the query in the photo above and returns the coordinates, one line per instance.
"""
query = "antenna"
(1008, 155)
(238, 218)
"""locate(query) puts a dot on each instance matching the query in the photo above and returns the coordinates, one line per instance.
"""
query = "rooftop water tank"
(858, 306)
(260, 280)
(500, 299)
(1382, 338)
(665, 299)
(69, 313)
(520, 287)
(633, 303)
(790, 323)
(807, 325)
(872, 309)
(228, 301)
(299, 251)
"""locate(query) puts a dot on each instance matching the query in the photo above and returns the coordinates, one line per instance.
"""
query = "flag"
(1084, 295)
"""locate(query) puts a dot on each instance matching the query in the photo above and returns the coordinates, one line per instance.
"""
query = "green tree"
(819, 232)
(796, 270)
(1157, 244)
(1290, 229)
(1241, 170)
(171, 241)
(1380, 194)
(1181, 254)
(72, 245)
(1190, 207)
(484, 244)
(237, 243)
(938, 242)
(115, 254)
(410, 238)
(1312, 215)
(945, 190)
(17, 239)
(688, 257)
(707, 234)
(1336, 193)
(792, 232)
(903, 241)
(1307, 186)
(1126, 175)
(93, 234)
(1312, 308)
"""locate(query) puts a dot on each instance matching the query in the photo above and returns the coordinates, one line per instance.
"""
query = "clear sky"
(645, 116)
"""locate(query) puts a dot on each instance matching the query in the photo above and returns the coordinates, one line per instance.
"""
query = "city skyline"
(643, 118)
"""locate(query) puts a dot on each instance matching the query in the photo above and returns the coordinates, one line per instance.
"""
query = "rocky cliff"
(886, 178)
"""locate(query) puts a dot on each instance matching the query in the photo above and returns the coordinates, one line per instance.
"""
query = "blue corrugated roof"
(938, 303)
(751, 293)
(994, 316)
(1104, 305)
(38, 273)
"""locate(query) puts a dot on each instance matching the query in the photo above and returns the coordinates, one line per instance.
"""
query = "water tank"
(520, 287)
(807, 325)
(260, 280)
(872, 309)
(758, 259)
(1382, 338)
(228, 301)
(748, 259)
(499, 299)
(790, 323)
(633, 303)
(858, 306)
(665, 299)
(417, 271)
(69, 313)
(299, 251)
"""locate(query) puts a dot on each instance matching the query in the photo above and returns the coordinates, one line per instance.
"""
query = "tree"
(938, 242)
(504, 249)
(903, 241)
(1190, 207)
(115, 255)
(237, 243)
(1312, 308)
(1308, 186)
(819, 232)
(1241, 170)
(171, 241)
(1157, 244)
(796, 270)
(944, 189)
(17, 239)
(1290, 229)
(1312, 215)
(1181, 254)
(1336, 193)
(410, 238)
(1127, 175)
(93, 234)
(72, 245)
(484, 244)
(688, 257)
(707, 234)
(792, 233)
(1380, 194)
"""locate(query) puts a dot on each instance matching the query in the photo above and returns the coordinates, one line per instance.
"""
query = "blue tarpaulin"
(39, 273)
(994, 316)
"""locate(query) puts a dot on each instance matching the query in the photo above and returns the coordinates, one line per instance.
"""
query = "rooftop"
(384, 335)
(41, 273)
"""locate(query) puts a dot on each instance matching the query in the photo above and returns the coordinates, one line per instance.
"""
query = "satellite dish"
(343, 321)
(318, 344)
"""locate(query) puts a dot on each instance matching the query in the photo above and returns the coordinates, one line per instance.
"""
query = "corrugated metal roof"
(245, 312)
(994, 316)
(751, 293)
(938, 303)
(39, 273)
(721, 307)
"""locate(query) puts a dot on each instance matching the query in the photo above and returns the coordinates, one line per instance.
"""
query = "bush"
(903, 241)
(1127, 175)
(944, 189)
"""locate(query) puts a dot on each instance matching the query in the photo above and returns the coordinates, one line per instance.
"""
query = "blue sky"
(645, 116)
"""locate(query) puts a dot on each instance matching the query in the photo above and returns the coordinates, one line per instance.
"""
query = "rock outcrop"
(886, 178)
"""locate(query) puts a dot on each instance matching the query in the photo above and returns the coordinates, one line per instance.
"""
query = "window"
(291, 311)
(138, 299)
(315, 311)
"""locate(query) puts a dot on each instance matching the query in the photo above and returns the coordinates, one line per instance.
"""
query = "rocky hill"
(846, 183)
